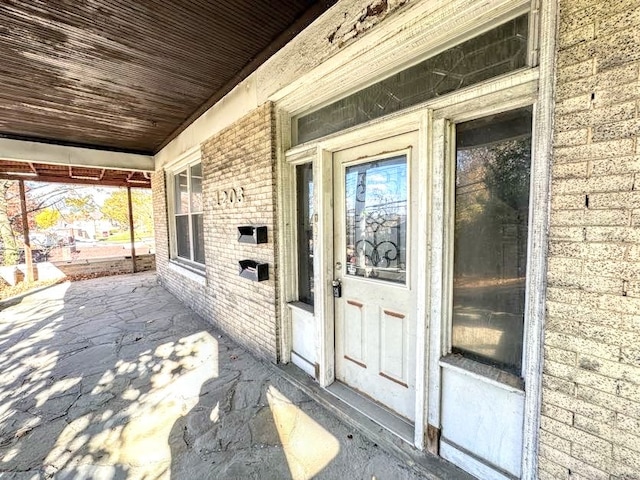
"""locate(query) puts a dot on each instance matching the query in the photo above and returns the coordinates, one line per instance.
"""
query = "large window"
(304, 183)
(498, 51)
(189, 233)
(493, 160)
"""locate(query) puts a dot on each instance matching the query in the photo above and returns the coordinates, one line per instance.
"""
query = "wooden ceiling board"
(128, 75)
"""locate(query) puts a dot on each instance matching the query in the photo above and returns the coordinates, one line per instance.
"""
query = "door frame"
(407, 122)
(369, 56)
(431, 122)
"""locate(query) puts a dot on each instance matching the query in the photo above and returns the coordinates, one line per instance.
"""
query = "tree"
(116, 209)
(9, 244)
(80, 207)
(508, 175)
(39, 196)
(47, 218)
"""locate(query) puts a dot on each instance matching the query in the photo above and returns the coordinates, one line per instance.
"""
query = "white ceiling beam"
(35, 152)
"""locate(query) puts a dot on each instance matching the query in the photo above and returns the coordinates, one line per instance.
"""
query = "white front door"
(375, 253)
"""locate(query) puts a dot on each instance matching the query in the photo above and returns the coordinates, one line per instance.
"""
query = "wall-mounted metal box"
(258, 272)
(251, 234)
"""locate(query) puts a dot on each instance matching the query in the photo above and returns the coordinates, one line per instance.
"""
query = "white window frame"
(191, 158)
(449, 118)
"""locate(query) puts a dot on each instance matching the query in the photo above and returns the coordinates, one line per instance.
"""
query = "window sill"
(305, 307)
(193, 274)
(500, 378)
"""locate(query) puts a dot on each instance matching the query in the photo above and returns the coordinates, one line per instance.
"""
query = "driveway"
(114, 378)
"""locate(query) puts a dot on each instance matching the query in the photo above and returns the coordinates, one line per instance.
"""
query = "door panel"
(354, 339)
(393, 353)
(373, 248)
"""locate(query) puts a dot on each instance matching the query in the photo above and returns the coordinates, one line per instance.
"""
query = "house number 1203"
(229, 197)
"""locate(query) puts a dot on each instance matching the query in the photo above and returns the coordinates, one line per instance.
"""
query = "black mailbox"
(251, 234)
(253, 270)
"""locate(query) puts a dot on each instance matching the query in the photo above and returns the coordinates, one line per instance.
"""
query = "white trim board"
(401, 41)
(538, 241)
(472, 465)
(36, 152)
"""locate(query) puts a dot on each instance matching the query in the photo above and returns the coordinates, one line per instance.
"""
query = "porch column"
(133, 242)
(28, 257)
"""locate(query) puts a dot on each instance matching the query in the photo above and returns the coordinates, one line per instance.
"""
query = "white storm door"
(374, 227)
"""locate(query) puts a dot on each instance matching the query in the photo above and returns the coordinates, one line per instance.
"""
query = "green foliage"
(47, 218)
(492, 200)
(116, 209)
(9, 245)
(507, 177)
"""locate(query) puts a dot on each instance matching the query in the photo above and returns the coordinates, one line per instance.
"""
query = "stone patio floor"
(114, 378)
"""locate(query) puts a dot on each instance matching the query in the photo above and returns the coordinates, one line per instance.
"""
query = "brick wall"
(100, 266)
(240, 157)
(590, 426)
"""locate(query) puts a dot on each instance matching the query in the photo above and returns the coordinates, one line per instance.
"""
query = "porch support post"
(133, 243)
(28, 258)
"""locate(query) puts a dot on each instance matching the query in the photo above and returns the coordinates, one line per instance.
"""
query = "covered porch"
(107, 381)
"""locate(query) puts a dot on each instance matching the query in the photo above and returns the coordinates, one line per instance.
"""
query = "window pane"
(501, 50)
(196, 188)
(182, 236)
(198, 238)
(493, 160)
(181, 193)
(304, 174)
(376, 203)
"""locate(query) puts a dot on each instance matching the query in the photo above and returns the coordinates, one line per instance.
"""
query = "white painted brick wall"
(591, 383)
(240, 156)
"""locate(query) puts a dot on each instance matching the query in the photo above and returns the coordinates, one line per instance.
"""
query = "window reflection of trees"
(492, 203)
(376, 215)
(491, 219)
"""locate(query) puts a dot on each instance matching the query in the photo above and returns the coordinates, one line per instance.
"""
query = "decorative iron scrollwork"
(377, 219)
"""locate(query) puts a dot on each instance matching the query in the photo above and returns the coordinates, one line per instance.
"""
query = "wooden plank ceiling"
(130, 75)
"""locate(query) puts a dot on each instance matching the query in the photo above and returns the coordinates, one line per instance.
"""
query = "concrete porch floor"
(114, 378)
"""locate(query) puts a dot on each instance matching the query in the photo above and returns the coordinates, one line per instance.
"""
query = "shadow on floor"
(113, 378)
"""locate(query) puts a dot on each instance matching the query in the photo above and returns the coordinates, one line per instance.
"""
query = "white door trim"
(424, 29)
(547, 13)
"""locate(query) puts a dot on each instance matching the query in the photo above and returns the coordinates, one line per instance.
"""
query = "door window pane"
(493, 160)
(498, 51)
(376, 216)
(304, 184)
